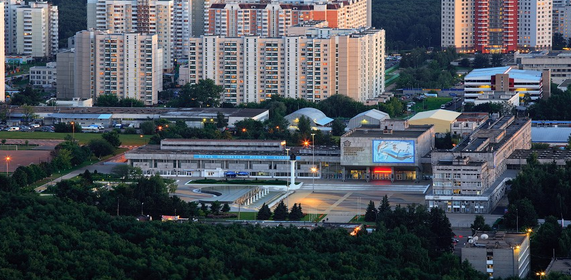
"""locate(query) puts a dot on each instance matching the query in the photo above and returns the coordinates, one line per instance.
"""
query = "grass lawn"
(83, 138)
(430, 103)
(361, 220)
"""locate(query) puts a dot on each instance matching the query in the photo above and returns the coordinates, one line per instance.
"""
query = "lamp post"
(313, 168)
(8, 158)
(142, 138)
(287, 177)
(142, 204)
(73, 130)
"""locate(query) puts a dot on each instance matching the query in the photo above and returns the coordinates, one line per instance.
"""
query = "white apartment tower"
(128, 65)
(314, 66)
(535, 24)
(37, 29)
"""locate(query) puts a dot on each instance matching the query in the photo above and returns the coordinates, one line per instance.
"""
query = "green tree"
(215, 207)
(107, 100)
(148, 127)
(100, 147)
(221, 121)
(62, 160)
(479, 224)
(205, 93)
(28, 114)
(264, 213)
(497, 59)
(559, 41)
(225, 208)
(130, 102)
(296, 213)
(481, 61)
(20, 177)
(465, 62)
(338, 127)
(281, 212)
(521, 214)
(113, 138)
(371, 212)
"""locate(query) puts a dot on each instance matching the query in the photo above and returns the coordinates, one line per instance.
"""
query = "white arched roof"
(316, 116)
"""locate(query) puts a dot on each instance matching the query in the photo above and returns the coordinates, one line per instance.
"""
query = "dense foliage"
(422, 69)
(205, 93)
(111, 100)
(72, 18)
(56, 239)
(408, 23)
(554, 108)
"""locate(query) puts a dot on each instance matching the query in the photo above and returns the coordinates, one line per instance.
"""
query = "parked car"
(14, 128)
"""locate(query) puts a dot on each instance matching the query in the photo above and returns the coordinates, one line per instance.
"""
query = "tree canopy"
(205, 93)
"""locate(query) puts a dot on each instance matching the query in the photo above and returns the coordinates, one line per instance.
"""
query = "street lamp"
(142, 203)
(73, 130)
(287, 177)
(8, 158)
(540, 274)
(142, 138)
(313, 168)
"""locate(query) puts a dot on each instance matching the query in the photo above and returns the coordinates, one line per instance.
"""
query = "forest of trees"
(408, 23)
(422, 69)
(554, 108)
(57, 238)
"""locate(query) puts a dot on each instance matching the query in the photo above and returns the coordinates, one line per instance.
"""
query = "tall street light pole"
(287, 178)
(73, 130)
(313, 168)
(7, 164)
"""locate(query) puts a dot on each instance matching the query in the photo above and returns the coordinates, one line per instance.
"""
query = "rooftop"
(439, 114)
(497, 240)
(498, 131)
(413, 131)
(520, 75)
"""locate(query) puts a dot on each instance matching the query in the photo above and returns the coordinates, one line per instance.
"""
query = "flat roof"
(414, 131)
(550, 134)
(497, 240)
(439, 114)
(520, 75)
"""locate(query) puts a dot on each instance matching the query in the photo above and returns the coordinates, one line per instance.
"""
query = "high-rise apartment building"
(272, 19)
(314, 64)
(128, 65)
(36, 29)
(561, 21)
(10, 7)
(173, 20)
(535, 24)
(496, 26)
(143, 16)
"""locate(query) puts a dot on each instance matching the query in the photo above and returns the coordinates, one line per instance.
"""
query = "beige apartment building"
(128, 65)
(272, 19)
(37, 29)
(314, 66)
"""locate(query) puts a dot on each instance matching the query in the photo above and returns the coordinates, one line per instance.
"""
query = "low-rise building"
(44, 76)
(499, 254)
(440, 118)
(469, 177)
(389, 152)
(211, 158)
(372, 117)
(508, 80)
